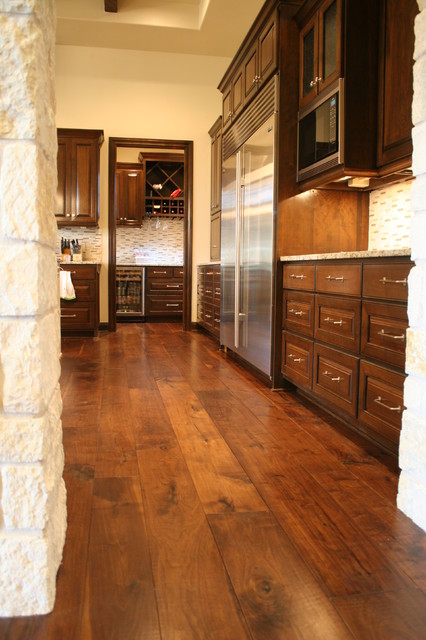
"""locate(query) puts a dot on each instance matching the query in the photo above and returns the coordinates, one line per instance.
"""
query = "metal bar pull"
(176, 304)
(301, 277)
(338, 278)
(330, 375)
(383, 333)
(385, 280)
(176, 286)
(379, 401)
(296, 313)
(73, 315)
(330, 321)
(292, 357)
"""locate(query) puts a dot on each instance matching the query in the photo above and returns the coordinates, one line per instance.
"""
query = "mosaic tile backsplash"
(157, 241)
(89, 239)
(390, 217)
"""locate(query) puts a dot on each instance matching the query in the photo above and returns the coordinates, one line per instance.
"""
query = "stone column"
(412, 450)
(32, 491)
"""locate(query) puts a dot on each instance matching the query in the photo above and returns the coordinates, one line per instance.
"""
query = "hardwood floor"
(204, 506)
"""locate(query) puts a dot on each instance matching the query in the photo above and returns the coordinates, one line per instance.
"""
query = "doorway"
(157, 146)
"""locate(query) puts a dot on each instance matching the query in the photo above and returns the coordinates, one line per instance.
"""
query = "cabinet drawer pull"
(330, 321)
(208, 315)
(336, 278)
(330, 375)
(385, 280)
(379, 401)
(292, 357)
(156, 272)
(217, 320)
(209, 273)
(73, 315)
(296, 313)
(383, 333)
(172, 286)
(209, 291)
(301, 277)
(170, 304)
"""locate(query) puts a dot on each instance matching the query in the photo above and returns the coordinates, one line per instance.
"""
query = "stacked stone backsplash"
(390, 217)
(157, 241)
(89, 239)
(32, 491)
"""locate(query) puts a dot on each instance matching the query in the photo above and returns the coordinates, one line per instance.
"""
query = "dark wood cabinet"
(215, 133)
(261, 59)
(164, 293)
(130, 194)
(81, 315)
(320, 50)
(208, 298)
(233, 98)
(77, 194)
(396, 51)
(344, 325)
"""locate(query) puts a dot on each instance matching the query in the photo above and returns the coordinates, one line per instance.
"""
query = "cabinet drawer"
(335, 378)
(77, 316)
(208, 291)
(381, 401)
(178, 272)
(163, 286)
(337, 321)
(163, 306)
(387, 280)
(209, 315)
(383, 334)
(85, 290)
(299, 276)
(80, 271)
(216, 273)
(296, 362)
(216, 295)
(216, 321)
(159, 272)
(339, 278)
(298, 312)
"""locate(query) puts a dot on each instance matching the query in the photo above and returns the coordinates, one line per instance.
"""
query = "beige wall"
(140, 94)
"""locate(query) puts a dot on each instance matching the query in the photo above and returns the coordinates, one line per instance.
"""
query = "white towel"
(66, 287)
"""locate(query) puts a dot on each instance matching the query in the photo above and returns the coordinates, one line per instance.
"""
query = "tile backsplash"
(390, 217)
(89, 239)
(157, 241)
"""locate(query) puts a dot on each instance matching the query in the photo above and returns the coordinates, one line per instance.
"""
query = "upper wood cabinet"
(77, 195)
(320, 50)
(215, 133)
(253, 65)
(396, 50)
(130, 193)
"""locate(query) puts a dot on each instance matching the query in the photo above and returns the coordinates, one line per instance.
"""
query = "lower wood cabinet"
(344, 336)
(164, 293)
(81, 315)
(208, 298)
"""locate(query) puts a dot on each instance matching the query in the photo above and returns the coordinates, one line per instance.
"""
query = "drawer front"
(163, 286)
(339, 278)
(298, 312)
(85, 290)
(163, 306)
(178, 272)
(77, 317)
(296, 361)
(337, 321)
(159, 272)
(81, 271)
(208, 316)
(381, 402)
(216, 321)
(335, 378)
(208, 292)
(387, 280)
(383, 334)
(216, 295)
(216, 273)
(299, 276)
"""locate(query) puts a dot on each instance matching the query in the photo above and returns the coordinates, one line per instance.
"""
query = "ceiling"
(200, 27)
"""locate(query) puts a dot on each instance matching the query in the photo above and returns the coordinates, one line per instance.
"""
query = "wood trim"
(111, 6)
(156, 147)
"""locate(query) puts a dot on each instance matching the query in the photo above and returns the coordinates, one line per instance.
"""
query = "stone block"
(28, 272)
(419, 148)
(419, 86)
(418, 236)
(26, 84)
(27, 184)
(29, 490)
(415, 353)
(412, 443)
(29, 363)
(418, 195)
(420, 35)
(411, 498)
(415, 394)
(417, 297)
(29, 438)
(29, 563)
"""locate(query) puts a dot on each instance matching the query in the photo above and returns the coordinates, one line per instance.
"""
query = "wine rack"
(164, 183)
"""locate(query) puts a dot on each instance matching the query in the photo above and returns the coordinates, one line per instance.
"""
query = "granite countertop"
(373, 253)
(74, 263)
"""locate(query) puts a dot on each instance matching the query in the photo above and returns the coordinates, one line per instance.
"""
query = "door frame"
(187, 146)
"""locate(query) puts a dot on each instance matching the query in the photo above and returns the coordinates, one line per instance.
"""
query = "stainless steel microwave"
(320, 143)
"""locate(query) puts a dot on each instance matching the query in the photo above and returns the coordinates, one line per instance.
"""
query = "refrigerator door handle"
(237, 253)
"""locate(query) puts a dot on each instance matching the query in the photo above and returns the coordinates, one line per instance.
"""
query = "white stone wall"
(412, 451)
(32, 491)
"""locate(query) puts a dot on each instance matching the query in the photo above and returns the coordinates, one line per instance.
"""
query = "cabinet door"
(396, 81)
(84, 181)
(216, 173)
(227, 106)
(215, 237)
(329, 43)
(250, 68)
(63, 190)
(267, 50)
(237, 93)
(308, 47)
(130, 196)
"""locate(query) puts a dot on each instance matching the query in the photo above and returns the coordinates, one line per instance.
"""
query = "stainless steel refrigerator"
(247, 243)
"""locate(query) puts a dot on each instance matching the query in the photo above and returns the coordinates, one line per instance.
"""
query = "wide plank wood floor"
(204, 506)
